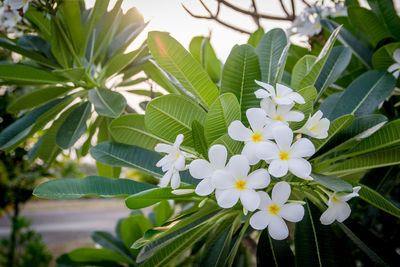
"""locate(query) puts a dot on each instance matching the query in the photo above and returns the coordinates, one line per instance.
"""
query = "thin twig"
(305, 2)
(284, 8)
(255, 15)
(293, 10)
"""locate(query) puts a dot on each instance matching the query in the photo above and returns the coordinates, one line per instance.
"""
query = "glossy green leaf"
(199, 139)
(74, 126)
(302, 67)
(73, 188)
(256, 37)
(71, 14)
(133, 228)
(238, 75)
(24, 73)
(271, 252)
(364, 94)
(160, 77)
(40, 21)
(333, 183)
(225, 110)
(59, 48)
(119, 62)
(281, 65)
(92, 255)
(130, 129)
(108, 241)
(71, 74)
(387, 11)
(383, 57)
(269, 50)
(170, 115)
(107, 103)
(163, 212)
(172, 57)
(309, 94)
(232, 146)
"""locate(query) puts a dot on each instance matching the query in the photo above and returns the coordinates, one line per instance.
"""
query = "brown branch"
(284, 8)
(255, 14)
(305, 2)
(264, 16)
(293, 10)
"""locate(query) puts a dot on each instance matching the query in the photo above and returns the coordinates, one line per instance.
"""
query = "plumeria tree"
(253, 158)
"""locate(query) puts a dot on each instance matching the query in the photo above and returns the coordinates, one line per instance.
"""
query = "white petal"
(344, 212)
(329, 216)
(237, 131)
(265, 200)
(165, 160)
(165, 179)
(282, 109)
(200, 169)
(393, 67)
(175, 180)
(318, 115)
(238, 166)
(302, 148)
(299, 167)
(282, 90)
(223, 179)
(250, 199)
(269, 107)
(347, 197)
(261, 93)
(281, 193)
(296, 97)
(257, 118)
(163, 148)
(396, 55)
(278, 168)
(205, 187)
(283, 136)
(294, 116)
(250, 152)
(292, 212)
(218, 193)
(267, 86)
(217, 155)
(180, 162)
(259, 220)
(283, 101)
(178, 141)
(228, 198)
(396, 74)
(277, 228)
(258, 179)
(267, 150)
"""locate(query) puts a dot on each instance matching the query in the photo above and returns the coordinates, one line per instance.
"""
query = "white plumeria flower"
(395, 67)
(315, 126)
(340, 10)
(284, 156)
(281, 113)
(260, 131)
(11, 18)
(282, 96)
(202, 169)
(235, 183)
(273, 211)
(18, 4)
(338, 209)
(172, 163)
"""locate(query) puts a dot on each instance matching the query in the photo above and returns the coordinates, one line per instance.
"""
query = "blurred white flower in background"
(17, 4)
(395, 67)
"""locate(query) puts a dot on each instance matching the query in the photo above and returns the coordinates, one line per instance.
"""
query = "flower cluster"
(10, 13)
(308, 22)
(270, 149)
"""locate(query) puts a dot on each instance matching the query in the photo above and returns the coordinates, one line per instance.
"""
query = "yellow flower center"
(274, 209)
(177, 155)
(284, 155)
(278, 118)
(257, 137)
(335, 199)
(314, 129)
(240, 185)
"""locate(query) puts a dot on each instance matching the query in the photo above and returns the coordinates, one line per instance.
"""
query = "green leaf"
(333, 183)
(23, 73)
(256, 37)
(309, 94)
(300, 70)
(387, 12)
(172, 57)
(40, 21)
(269, 50)
(367, 22)
(36, 97)
(314, 242)
(336, 63)
(163, 212)
(361, 51)
(92, 255)
(74, 126)
(225, 110)
(238, 75)
(130, 129)
(59, 48)
(271, 252)
(20, 129)
(335, 127)
(107, 241)
(73, 188)
(199, 139)
(170, 115)
(364, 94)
(133, 228)
(281, 65)
(383, 57)
(107, 103)
(71, 74)
(232, 146)
(371, 160)
(160, 77)
(153, 196)
(316, 69)
(118, 62)
(71, 15)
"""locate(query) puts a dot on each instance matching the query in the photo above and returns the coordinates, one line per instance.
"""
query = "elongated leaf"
(153, 196)
(302, 67)
(314, 242)
(107, 103)
(364, 94)
(170, 115)
(387, 12)
(333, 183)
(163, 211)
(371, 160)
(59, 47)
(106, 240)
(74, 126)
(92, 255)
(281, 65)
(160, 77)
(269, 50)
(336, 63)
(256, 37)
(271, 252)
(36, 97)
(22, 73)
(119, 62)
(133, 228)
(309, 94)
(71, 14)
(171, 56)
(199, 139)
(130, 129)
(40, 21)
(232, 146)
(383, 57)
(225, 110)
(238, 75)
(73, 188)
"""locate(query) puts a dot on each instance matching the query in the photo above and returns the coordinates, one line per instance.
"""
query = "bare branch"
(284, 8)
(255, 15)
(305, 2)
(293, 10)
